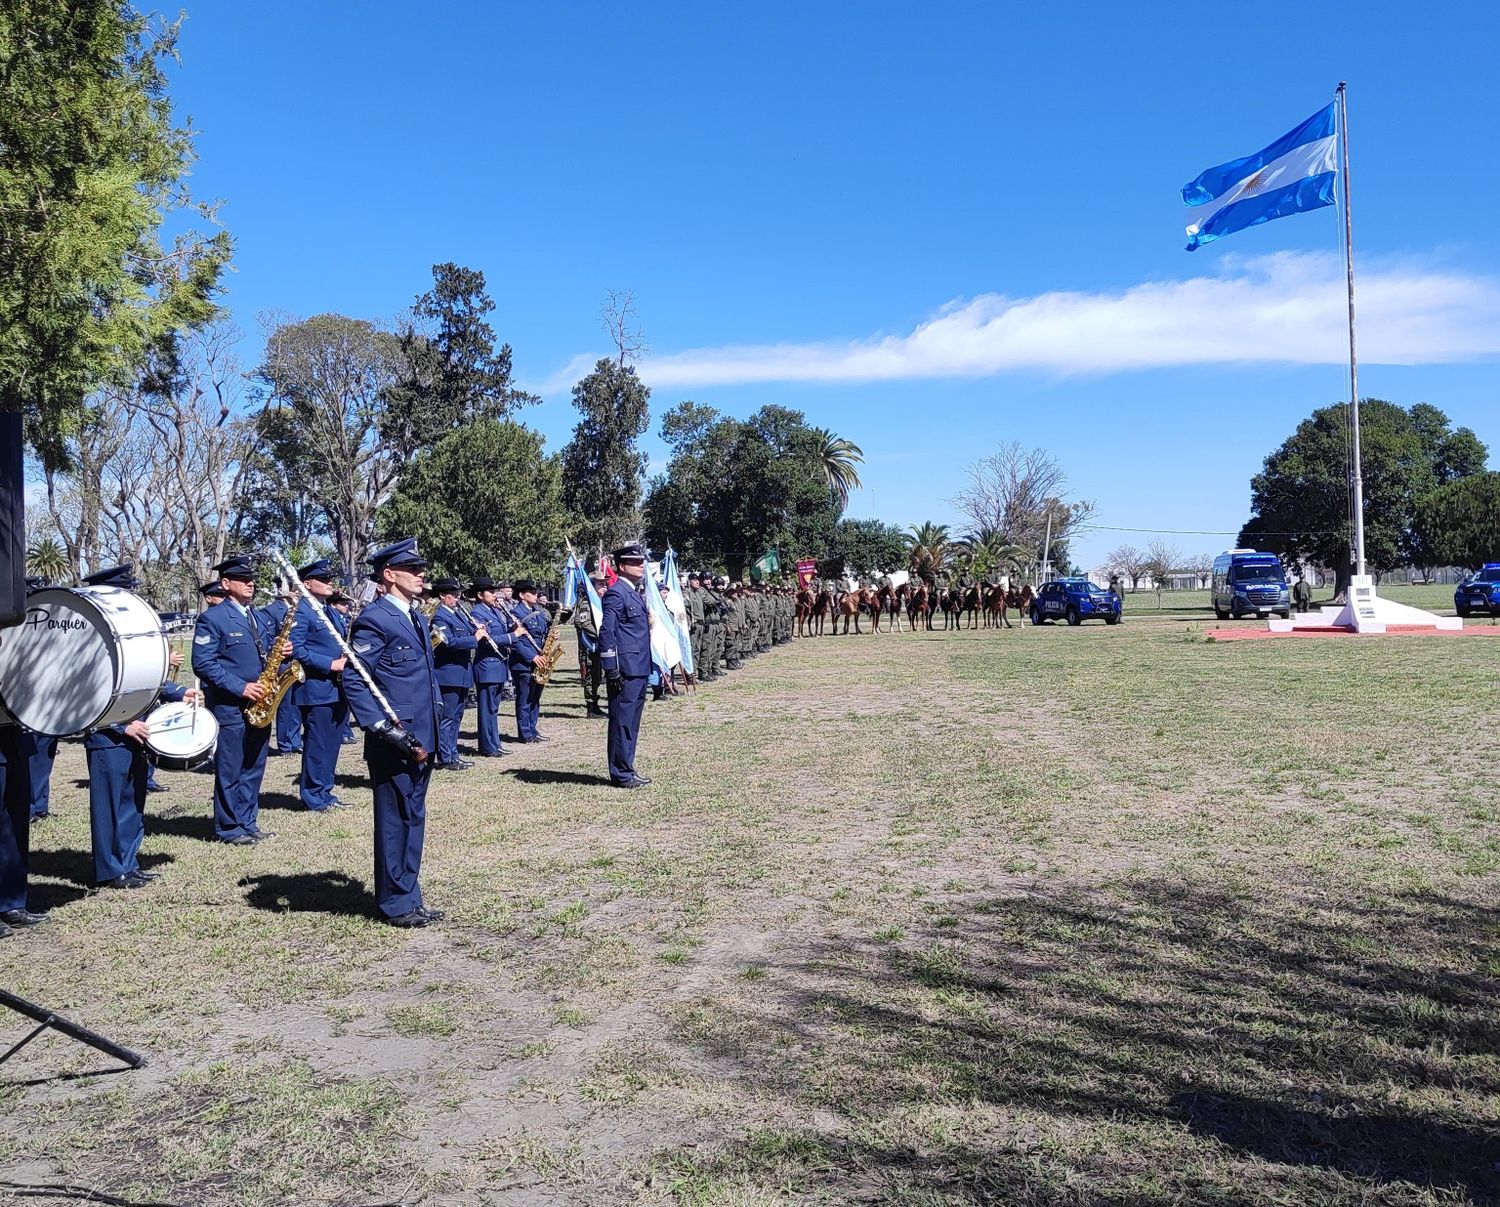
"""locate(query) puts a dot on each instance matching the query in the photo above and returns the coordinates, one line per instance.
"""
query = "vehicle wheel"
(1073, 618)
(1221, 615)
(1111, 620)
(1284, 615)
(1036, 615)
(1463, 611)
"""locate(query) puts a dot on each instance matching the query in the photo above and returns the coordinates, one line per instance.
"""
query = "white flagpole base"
(1366, 612)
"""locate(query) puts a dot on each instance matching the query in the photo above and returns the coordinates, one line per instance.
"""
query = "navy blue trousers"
(400, 788)
(15, 818)
(239, 766)
(40, 754)
(117, 809)
(528, 701)
(454, 700)
(321, 726)
(625, 705)
(289, 724)
(489, 718)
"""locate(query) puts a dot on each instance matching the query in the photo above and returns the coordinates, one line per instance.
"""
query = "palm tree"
(928, 549)
(838, 458)
(987, 553)
(48, 560)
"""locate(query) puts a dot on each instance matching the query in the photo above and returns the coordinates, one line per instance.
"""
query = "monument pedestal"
(1366, 612)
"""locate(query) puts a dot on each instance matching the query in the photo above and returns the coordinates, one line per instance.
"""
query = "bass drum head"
(181, 736)
(61, 667)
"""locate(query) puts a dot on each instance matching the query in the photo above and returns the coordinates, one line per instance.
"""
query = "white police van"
(1247, 583)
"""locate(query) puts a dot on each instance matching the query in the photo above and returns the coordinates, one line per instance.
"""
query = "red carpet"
(1395, 630)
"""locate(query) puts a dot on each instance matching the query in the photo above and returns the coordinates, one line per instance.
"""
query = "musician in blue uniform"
(392, 642)
(288, 721)
(454, 658)
(320, 698)
(339, 602)
(625, 654)
(230, 644)
(528, 644)
(15, 832)
(491, 663)
(117, 778)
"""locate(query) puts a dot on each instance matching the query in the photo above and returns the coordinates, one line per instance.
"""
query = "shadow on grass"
(1167, 1044)
(310, 893)
(184, 825)
(76, 869)
(542, 775)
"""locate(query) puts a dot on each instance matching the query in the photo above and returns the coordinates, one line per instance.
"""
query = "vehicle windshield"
(1258, 574)
(1488, 576)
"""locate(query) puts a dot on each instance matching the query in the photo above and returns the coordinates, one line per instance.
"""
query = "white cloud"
(1287, 308)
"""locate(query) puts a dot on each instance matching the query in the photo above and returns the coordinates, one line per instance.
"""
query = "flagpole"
(1359, 482)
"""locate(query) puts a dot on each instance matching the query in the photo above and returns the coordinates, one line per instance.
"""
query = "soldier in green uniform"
(692, 602)
(738, 627)
(718, 623)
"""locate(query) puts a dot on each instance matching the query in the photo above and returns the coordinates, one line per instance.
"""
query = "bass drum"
(82, 658)
(182, 736)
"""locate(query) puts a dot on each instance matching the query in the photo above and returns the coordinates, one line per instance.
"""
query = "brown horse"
(919, 607)
(823, 609)
(1023, 602)
(805, 600)
(973, 598)
(848, 606)
(952, 602)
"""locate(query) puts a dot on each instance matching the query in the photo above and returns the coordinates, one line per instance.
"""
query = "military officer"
(339, 602)
(15, 831)
(505, 602)
(625, 654)
(454, 659)
(692, 605)
(523, 654)
(117, 778)
(288, 721)
(320, 699)
(491, 663)
(230, 644)
(392, 641)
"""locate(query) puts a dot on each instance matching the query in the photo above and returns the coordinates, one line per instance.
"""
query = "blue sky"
(932, 231)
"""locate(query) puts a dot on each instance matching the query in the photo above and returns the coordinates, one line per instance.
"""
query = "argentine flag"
(1294, 174)
(677, 607)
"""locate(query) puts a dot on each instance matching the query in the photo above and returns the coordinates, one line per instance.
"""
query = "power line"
(1206, 531)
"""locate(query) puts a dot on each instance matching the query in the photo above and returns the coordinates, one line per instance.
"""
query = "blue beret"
(115, 576)
(402, 553)
(236, 565)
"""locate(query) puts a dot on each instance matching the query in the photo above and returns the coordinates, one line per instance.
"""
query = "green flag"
(769, 563)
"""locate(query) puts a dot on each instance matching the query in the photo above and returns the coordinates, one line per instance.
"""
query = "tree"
(1301, 498)
(327, 378)
(450, 373)
(1022, 494)
(737, 488)
(928, 550)
(1161, 559)
(838, 458)
(92, 161)
(863, 548)
(987, 555)
(1460, 521)
(1202, 567)
(602, 470)
(484, 500)
(47, 560)
(1128, 562)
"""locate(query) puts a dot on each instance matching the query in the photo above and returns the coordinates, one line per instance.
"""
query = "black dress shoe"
(122, 882)
(491, 754)
(415, 918)
(36, 817)
(141, 881)
(240, 840)
(627, 783)
(641, 779)
(22, 917)
(142, 874)
(5, 931)
(157, 788)
(433, 915)
(262, 835)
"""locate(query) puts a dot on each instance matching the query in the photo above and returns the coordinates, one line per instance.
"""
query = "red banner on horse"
(807, 570)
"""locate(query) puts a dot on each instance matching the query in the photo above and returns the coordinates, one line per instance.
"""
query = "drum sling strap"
(45, 1018)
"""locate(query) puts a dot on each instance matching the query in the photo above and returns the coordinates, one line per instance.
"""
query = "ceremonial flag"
(677, 606)
(1294, 174)
(807, 570)
(666, 651)
(768, 563)
(576, 586)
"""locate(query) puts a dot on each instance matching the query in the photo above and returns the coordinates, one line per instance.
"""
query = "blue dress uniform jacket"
(454, 660)
(524, 653)
(15, 818)
(491, 673)
(625, 651)
(117, 796)
(229, 647)
(320, 704)
(394, 645)
(288, 715)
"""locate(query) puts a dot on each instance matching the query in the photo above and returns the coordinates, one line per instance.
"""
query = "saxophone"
(546, 661)
(277, 679)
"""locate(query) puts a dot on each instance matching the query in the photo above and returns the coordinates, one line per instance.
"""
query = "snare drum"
(82, 658)
(182, 736)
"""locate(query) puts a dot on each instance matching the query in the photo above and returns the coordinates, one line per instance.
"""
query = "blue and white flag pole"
(666, 647)
(677, 606)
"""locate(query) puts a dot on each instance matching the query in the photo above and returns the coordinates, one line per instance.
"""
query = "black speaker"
(12, 520)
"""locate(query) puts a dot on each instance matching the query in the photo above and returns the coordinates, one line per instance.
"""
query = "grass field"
(1045, 916)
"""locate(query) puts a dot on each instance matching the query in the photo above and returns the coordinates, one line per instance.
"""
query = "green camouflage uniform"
(693, 602)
